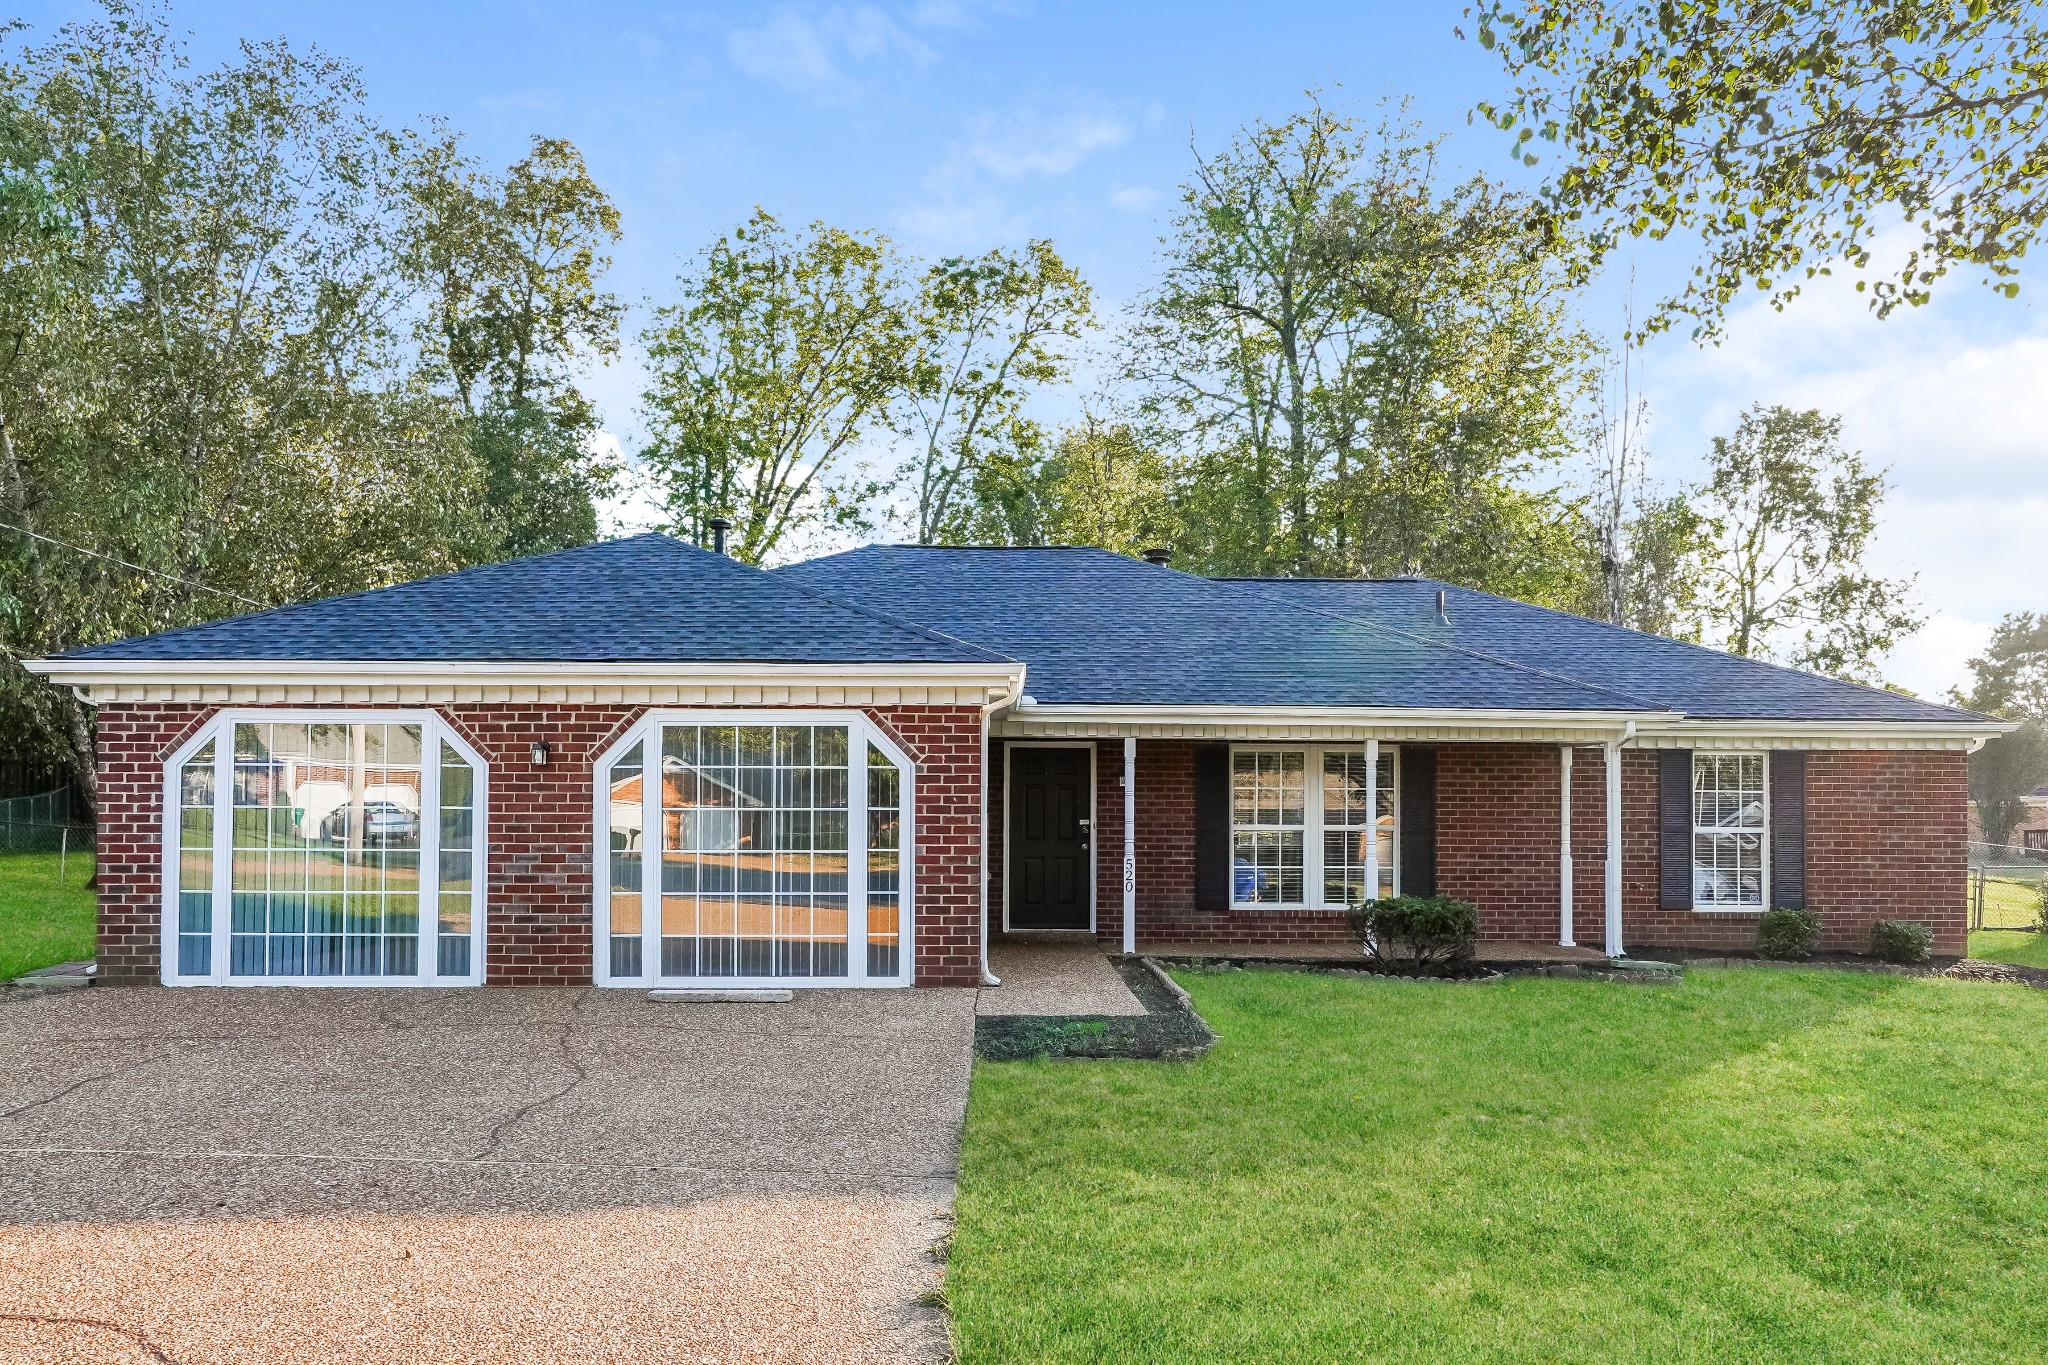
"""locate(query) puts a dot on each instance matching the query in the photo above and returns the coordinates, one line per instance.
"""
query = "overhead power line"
(153, 573)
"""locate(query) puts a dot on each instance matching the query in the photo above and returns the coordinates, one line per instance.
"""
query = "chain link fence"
(44, 823)
(2006, 886)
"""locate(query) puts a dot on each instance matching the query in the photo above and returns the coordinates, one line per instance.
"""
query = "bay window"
(1307, 824)
(754, 848)
(323, 848)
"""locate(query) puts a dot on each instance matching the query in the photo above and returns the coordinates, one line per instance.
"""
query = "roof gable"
(648, 599)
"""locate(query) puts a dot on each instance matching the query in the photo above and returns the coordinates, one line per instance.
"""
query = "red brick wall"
(539, 906)
(1884, 840)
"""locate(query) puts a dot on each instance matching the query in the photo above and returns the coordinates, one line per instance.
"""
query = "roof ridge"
(1470, 652)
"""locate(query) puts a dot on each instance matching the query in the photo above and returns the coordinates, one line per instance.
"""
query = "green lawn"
(2025, 949)
(41, 921)
(1753, 1165)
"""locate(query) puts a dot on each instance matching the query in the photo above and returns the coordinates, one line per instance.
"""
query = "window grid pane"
(457, 888)
(1729, 814)
(754, 850)
(1346, 828)
(885, 869)
(195, 863)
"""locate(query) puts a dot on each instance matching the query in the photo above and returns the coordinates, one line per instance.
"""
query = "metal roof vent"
(1159, 554)
(718, 527)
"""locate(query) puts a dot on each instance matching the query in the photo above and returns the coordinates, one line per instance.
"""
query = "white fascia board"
(999, 683)
(1686, 732)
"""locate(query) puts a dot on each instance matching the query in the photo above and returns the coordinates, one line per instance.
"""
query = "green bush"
(1417, 933)
(1787, 935)
(1901, 940)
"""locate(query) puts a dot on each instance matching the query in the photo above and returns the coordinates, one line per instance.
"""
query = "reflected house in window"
(873, 764)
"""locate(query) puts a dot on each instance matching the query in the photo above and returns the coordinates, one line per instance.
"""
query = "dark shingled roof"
(1095, 627)
(647, 599)
(1706, 684)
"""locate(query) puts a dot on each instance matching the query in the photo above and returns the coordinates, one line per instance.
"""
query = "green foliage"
(1362, 370)
(1787, 935)
(1788, 517)
(1900, 940)
(2009, 679)
(1743, 1166)
(780, 355)
(1785, 134)
(1101, 484)
(989, 330)
(1416, 933)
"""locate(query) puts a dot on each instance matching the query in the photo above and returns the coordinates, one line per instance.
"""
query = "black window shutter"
(1212, 827)
(1788, 829)
(1674, 827)
(1418, 820)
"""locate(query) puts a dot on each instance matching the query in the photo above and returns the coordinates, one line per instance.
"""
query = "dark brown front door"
(1049, 838)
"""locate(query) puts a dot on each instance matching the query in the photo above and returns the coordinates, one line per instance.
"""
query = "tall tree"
(508, 268)
(989, 329)
(2010, 679)
(1363, 371)
(782, 353)
(1099, 483)
(1790, 514)
(199, 376)
(1786, 133)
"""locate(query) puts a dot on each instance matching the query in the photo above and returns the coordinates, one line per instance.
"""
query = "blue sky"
(956, 126)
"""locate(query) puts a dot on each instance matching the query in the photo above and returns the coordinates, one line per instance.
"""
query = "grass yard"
(1753, 1165)
(42, 921)
(2021, 948)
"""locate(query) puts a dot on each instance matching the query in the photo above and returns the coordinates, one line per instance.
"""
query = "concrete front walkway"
(503, 1175)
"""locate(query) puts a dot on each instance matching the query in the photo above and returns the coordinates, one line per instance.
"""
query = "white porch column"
(1130, 844)
(1613, 887)
(1372, 821)
(1564, 857)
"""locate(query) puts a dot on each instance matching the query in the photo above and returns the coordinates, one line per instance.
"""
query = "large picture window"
(323, 848)
(1730, 831)
(764, 847)
(1305, 821)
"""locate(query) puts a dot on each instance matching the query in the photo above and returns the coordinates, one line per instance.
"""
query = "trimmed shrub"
(1417, 933)
(1787, 935)
(1901, 940)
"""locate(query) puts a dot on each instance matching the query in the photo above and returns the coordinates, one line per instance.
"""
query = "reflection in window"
(458, 862)
(1346, 826)
(1728, 814)
(628, 802)
(885, 865)
(754, 850)
(1268, 826)
(195, 863)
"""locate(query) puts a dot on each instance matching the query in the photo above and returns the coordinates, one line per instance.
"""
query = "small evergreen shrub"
(1417, 933)
(1900, 940)
(1787, 935)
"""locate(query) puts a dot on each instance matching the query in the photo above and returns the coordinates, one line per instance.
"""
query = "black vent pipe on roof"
(719, 526)
(1159, 554)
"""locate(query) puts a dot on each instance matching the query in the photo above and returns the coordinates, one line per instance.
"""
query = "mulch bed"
(1170, 1030)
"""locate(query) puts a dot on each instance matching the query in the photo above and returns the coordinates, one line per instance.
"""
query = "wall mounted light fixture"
(540, 752)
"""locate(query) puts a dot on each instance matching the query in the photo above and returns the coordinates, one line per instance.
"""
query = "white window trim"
(1763, 835)
(221, 726)
(861, 731)
(1312, 815)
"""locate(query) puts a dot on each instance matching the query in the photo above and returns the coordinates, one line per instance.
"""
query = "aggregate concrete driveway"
(506, 1175)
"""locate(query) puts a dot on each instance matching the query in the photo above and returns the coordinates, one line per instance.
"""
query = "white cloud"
(1953, 398)
(815, 53)
(1035, 141)
(1134, 198)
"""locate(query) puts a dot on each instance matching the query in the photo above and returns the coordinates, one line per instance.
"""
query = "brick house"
(868, 762)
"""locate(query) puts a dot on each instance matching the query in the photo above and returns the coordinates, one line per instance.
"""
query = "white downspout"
(988, 978)
(1130, 845)
(1613, 878)
(1564, 857)
(1372, 819)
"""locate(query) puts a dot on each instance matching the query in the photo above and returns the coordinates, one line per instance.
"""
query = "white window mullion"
(223, 848)
(857, 855)
(430, 858)
(651, 836)
(1312, 781)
